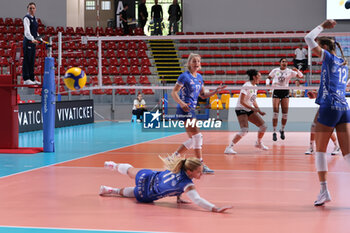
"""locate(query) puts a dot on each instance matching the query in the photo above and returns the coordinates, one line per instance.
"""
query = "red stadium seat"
(145, 70)
(131, 53)
(122, 45)
(134, 61)
(123, 70)
(142, 53)
(80, 31)
(144, 80)
(113, 70)
(124, 61)
(121, 53)
(109, 53)
(89, 31)
(109, 32)
(135, 70)
(99, 31)
(131, 80)
(113, 61)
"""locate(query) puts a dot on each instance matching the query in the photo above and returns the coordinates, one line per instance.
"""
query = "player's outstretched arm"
(195, 198)
(311, 36)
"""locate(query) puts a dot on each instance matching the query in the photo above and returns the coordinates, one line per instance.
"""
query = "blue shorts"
(142, 181)
(330, 117)
(182, 115)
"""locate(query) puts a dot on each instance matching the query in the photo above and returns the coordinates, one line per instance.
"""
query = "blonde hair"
(175, 164)
(190, 57)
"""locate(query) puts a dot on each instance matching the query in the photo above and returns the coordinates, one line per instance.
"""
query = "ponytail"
(342, 54)
(176, 164)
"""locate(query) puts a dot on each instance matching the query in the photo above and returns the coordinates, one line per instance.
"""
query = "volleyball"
(75, 78)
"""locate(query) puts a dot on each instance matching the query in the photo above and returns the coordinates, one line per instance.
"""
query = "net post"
(59, 65)
(48, 105)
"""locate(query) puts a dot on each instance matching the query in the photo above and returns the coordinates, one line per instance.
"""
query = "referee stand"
(8, 94)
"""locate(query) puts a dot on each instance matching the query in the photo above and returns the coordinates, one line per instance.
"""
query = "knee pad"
(285, 116)
(321, 162)
(275, 115)
(188, 144)
(197, 141)
(243, 132)
(123, 168)
(262, 128)
(313, 128)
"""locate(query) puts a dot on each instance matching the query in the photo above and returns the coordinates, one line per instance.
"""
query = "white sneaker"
(336, 150)
(37, 82)
(309, 151)
(29, 82)
(229, 150)
(261, 146)
(138, 120)
(108, 191)
(110, 165)
(322, 198)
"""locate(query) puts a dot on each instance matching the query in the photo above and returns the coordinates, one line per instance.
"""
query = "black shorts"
(280, 94)
(242, 112)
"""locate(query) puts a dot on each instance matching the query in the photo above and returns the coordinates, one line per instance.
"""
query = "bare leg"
(256, 119)
(285, 107)
(243, 123)
(275, 104)
(343, 133)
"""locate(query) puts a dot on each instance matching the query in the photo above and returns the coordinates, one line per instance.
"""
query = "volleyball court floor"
(271, 191)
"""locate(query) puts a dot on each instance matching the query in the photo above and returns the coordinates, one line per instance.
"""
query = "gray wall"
(255, 15)
(209, 15)
(51, 12)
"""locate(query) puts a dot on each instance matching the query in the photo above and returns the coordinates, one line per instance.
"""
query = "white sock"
(274, 129)
(282, 129)
(128, 192)
(232, 144)
(324, 186)
(347, 158)
(259, 140)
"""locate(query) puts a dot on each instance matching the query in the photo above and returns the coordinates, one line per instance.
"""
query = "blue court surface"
(75, 142)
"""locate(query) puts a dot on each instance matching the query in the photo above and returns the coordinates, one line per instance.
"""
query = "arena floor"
(271, 191)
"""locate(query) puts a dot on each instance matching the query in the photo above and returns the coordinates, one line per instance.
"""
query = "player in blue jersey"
(334, 110)
(153, 185)
(188, 88)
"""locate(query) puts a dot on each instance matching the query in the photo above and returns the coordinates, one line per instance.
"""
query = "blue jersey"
(153, 185)
(333, 83)
(191, 88)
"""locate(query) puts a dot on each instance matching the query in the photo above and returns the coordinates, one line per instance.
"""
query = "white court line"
(82, 229)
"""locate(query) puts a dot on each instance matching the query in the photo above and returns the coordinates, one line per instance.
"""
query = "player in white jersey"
(280, 78)
(334, 111)
(248, 110)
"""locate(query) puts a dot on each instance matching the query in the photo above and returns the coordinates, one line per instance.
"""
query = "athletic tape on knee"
(313, 128)
(321, 162)
(123, 168)
(197, 141)
(188, 144)
(243, 132)
(262, 128)
(275, 115)
(285, 116)
(128, 192)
